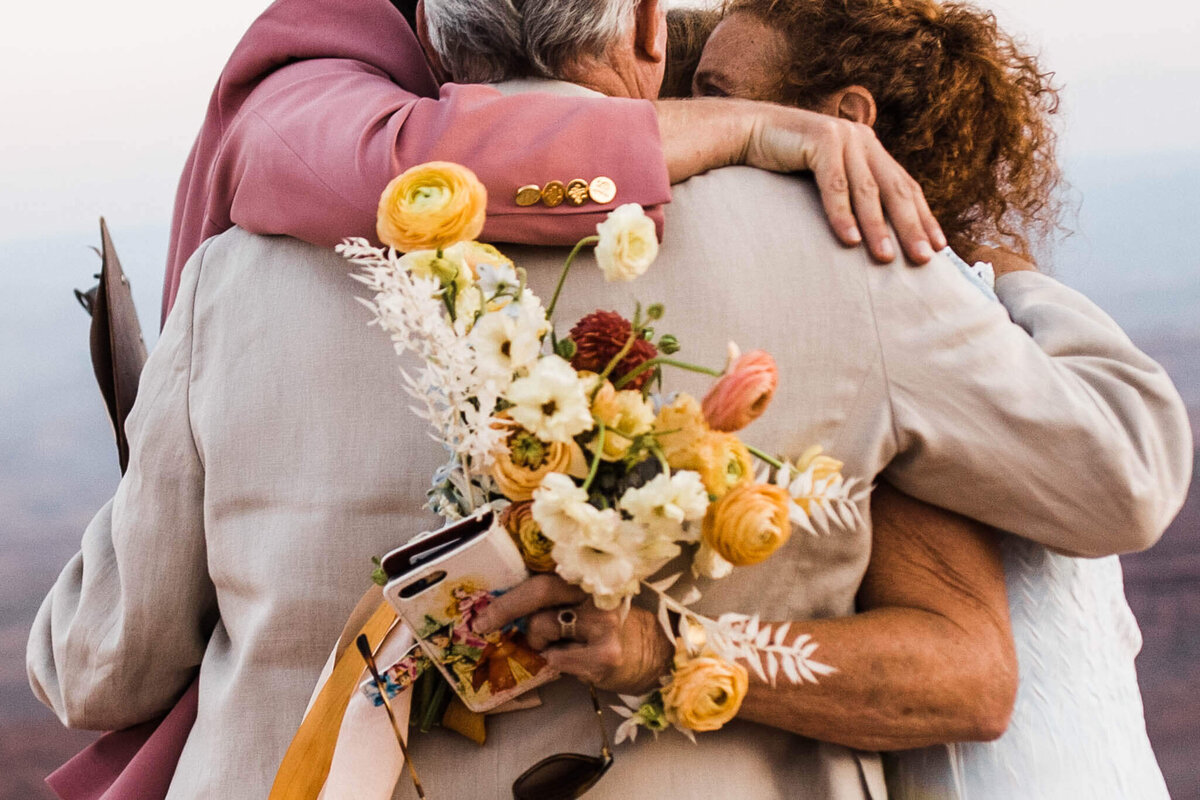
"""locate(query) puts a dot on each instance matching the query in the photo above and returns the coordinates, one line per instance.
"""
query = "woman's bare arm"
(929, 660)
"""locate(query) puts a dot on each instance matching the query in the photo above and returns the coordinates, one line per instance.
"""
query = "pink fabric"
(132, 764)
(324, 101)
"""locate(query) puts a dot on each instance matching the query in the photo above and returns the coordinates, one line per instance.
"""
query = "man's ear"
(854, 103)
(435, 63)
(650, 33)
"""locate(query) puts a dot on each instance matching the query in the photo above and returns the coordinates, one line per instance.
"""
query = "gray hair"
(483, 41)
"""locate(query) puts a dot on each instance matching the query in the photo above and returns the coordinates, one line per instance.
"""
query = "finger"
(591, 625)
(829, 171)
(901, 197)
(574, 659)
(540, 591)
(864, 194)
(932, 227)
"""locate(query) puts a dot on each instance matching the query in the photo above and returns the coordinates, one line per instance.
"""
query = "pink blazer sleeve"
(319, 140)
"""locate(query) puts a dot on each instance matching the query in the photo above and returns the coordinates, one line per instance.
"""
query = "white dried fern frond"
(447, 388)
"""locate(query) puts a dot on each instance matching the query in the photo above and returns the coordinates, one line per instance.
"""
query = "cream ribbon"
(345, 747)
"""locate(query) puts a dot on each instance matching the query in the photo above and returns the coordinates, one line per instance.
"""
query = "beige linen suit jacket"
(273, 453)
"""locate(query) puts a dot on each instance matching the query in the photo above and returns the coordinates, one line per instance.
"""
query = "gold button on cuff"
(577, 192)
(529, 195)
(553, 193)
(602, 190)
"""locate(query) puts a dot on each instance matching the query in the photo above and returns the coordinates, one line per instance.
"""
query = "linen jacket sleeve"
(1055, 428)
(317, 141)
(119, 636)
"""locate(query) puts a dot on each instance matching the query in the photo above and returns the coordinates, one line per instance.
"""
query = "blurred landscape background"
(102, 102)
(1134, 253)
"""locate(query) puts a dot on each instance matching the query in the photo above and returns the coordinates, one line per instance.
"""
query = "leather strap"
(306, 764)
(118, 349)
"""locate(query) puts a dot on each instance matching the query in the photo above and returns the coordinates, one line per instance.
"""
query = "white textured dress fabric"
(1078, 729)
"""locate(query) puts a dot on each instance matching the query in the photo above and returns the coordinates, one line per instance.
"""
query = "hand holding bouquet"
(598, 474)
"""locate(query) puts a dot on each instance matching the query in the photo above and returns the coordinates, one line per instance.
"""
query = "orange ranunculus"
(749, 524)
(742, 393)
(522, 460)
(535, 548)
(705, 691)
(431, 207)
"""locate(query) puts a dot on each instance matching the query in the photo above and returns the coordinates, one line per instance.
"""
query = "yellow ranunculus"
(626, 414)
(679, 425)
(705, 691)
(447, 268)
(535, 548)
(477, 253)
(431, 207)
(749, 524)
(823, 468)
(721, 459)
(522, 460)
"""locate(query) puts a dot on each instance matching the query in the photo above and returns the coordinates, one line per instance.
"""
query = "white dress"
(1077, 730)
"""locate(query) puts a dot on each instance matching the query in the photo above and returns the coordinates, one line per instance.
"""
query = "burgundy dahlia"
(600, 336)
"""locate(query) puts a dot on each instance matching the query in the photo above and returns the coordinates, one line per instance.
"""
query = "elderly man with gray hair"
(272, 453)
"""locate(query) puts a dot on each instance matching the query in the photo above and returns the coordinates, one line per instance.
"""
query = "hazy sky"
(101, 100)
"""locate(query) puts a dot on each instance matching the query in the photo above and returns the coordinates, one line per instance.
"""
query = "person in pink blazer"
(324, 101)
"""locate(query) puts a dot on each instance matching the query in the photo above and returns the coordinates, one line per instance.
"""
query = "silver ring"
(566, 623)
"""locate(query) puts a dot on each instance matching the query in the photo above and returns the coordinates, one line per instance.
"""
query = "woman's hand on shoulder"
(862, 187)
(618, 652)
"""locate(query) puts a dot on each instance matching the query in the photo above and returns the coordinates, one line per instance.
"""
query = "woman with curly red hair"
(967, 111)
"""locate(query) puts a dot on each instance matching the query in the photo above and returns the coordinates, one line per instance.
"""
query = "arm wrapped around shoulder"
(1050, 424)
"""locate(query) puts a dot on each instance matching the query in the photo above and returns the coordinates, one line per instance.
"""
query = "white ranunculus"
(628, 243)
(550, 402)
(667, 502)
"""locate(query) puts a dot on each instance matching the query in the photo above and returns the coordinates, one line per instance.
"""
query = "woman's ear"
(854, 103)
(650, 34)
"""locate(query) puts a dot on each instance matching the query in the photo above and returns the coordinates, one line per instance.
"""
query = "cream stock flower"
(749, 524)
(431, 206)
(705, 691)
(550, 402)
(666, 503)
(628, 243)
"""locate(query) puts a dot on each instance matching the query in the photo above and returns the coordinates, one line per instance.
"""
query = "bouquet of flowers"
(596, 472)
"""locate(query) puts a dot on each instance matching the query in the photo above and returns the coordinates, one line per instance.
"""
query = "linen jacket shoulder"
(273, 452)
(324, 101)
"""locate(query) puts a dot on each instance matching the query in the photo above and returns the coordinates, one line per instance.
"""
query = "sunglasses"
(562, 776)
(566, 775)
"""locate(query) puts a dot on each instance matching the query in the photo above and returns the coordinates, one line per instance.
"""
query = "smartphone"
(439, 583)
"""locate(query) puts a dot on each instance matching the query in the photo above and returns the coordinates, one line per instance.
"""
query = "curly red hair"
(959, 104)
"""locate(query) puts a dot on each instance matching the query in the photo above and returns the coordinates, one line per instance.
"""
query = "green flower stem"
(774, 462)
(612, 363)
(670, 362)
(562, 276)
(591, 476)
